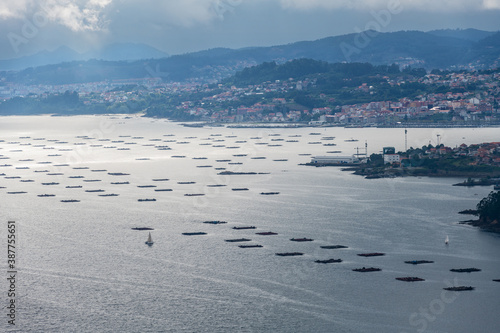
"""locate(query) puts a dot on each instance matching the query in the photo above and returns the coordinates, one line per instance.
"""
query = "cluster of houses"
(471, 98)
(481, 154)
(457, 106)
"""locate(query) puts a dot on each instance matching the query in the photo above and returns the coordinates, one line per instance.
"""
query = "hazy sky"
(179, 26)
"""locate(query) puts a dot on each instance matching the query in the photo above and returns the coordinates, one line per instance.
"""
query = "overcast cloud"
(177, 26)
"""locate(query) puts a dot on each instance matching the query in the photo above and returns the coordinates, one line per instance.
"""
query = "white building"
(391, 158)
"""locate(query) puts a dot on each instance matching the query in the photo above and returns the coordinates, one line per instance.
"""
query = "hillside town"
(467, 99)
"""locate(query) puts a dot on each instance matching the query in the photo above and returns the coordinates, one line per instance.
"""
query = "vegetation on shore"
(488, 210)
(439, 161)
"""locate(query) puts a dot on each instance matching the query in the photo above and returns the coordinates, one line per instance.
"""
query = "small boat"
(249, 246)
(459, 288)
(194, 194)
(289, 254)
(238, 240)
(410, 279)
(94, 191)
(186, 183)
(266, 233)
(161, 180)
(109, 195)
(163, 190)
(446, 240)
(243, 228)
(149, 242)
(52, 183)
(367, 269)
(373, 254)
(464, 270)
(240, 189)
(46, 195)
(142, 228)
(193, 233)
(17, 192)
(76, 186)
(215, 222)
(328, 261)
(145, 186)
(119, 183)
(70, 200)
(143, 200)
(118, 174)
(269, 193)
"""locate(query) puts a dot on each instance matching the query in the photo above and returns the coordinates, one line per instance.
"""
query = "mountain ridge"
(404, 48)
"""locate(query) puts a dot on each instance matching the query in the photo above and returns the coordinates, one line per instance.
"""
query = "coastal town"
(461, 99)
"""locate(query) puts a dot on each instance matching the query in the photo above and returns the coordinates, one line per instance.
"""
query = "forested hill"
(338, 74)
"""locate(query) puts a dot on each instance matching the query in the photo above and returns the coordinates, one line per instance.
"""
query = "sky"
(181, 26)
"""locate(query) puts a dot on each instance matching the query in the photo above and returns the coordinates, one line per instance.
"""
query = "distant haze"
(179, 26)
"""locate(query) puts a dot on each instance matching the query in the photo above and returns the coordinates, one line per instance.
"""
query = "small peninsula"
(488, 210)
(478, 163)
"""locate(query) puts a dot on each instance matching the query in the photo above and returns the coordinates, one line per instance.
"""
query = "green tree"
(489, 207)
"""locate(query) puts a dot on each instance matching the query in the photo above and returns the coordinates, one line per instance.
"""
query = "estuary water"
(81, 267)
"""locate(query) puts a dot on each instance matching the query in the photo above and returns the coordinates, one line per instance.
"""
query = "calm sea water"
(81, 268)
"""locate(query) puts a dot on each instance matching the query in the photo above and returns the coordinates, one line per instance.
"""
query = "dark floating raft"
(333, 247)
(459, 288)
(301, 239)
(289, 254)
(367, 269)
(373, 254)
(464, 270)
(238, 240)
(418, 262)
(328, 261)
(410, 279)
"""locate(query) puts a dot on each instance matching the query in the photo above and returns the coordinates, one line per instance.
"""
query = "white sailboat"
(447, 240)
(150, 240)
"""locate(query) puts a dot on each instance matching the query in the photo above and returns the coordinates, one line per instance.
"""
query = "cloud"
(424, 5)
(491, 4)
(13, 8)
(77, 15)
